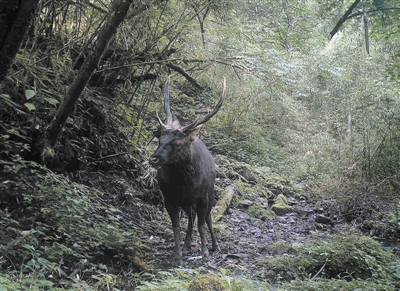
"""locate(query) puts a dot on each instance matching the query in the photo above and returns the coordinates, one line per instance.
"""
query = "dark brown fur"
(186, 175)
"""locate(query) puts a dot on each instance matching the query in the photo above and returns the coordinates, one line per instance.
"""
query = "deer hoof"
(186, 250)
(177, 260)
(216, 249)
(205, 255)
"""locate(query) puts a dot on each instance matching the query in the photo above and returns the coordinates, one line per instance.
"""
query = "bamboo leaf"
(30, 106)
(29, 94)
(51, 100)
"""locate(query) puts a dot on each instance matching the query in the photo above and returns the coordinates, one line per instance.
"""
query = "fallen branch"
(223, 203)
(320, 270)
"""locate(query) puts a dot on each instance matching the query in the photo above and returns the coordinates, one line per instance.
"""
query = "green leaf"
(51, 100)
(30, 106)
(29, 94)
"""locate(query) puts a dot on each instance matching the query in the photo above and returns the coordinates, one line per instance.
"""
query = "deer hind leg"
(215, 246)
(189, 232)
(173, 212)
(201, 215)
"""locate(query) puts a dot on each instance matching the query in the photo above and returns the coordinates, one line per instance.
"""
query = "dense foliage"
(320, 112)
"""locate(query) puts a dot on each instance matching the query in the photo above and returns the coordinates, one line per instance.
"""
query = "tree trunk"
(120, 9)
(15, 17)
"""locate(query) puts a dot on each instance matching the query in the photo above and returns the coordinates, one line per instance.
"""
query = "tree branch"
(348, 15)
(371, 11)
(366, 32)
(186, 75)
(222, 60)
(343, 19)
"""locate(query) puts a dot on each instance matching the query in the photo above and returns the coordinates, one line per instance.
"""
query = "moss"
(206, 283)
(281, 205)
(248, 191)
(257, 180)
(281, 199)
(222, 229)
(245, 190)
(351, 257)
(260, 212)
(280, 248)
(335, 285)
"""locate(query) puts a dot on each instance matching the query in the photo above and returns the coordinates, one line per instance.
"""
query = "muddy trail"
(243, 239)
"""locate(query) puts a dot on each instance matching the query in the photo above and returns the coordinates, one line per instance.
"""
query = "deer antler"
(167, 107)
(198, 122)
(166, 103)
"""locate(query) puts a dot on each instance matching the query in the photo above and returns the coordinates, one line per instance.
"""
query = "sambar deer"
(186, 176)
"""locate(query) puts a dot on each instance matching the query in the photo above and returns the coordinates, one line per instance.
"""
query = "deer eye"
(178, 144)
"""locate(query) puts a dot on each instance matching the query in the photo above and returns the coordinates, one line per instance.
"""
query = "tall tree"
(15, 17)
(120, 9)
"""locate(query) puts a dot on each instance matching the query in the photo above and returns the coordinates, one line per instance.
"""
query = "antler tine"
(166, 103)
(159, 120)
(198, 122)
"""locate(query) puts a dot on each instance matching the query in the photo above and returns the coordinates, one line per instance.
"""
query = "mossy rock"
(206, 283)
(281, 206)
(250, 192)
(246, 172)
(259, 212)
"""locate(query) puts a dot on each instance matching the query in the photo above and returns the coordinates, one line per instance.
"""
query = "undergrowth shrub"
(199, 279)
(371, 205)
(335, 285)
(332, 257)
(51, 226)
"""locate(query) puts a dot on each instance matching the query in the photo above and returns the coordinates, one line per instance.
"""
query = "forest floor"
(306, 243)
(130, 236)
(243, 239)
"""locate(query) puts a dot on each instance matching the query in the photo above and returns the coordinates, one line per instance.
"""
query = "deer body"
(186, 175)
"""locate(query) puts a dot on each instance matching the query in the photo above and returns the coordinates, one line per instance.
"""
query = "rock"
(292, 201)
(246, 203)
(323, 219)
(318, 210)
(303, 212)
(246, 173)
(281, 206)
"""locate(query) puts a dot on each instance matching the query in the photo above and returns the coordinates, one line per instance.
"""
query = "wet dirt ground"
(243, 239)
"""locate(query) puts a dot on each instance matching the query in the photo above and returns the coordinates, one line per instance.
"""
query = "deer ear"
(195, 132)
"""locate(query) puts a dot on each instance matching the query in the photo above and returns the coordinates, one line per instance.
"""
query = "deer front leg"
(189, 232)
(173, 212)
